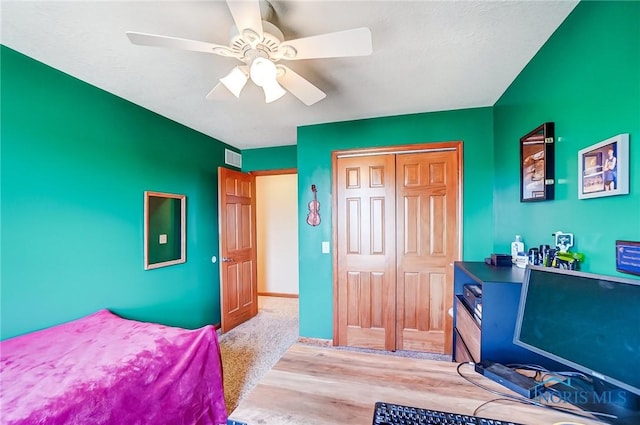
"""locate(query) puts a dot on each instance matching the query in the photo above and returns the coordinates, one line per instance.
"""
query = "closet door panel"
(366, 251)
(427, 211)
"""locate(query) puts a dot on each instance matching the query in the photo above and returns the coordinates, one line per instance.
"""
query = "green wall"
(75, 164)
(586, 79)
(474, 127)
(76, 160)
(277, 158)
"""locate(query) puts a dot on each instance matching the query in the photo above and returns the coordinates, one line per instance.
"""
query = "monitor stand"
(617, 406)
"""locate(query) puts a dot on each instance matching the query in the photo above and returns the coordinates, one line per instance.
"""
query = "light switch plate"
(163, 239)
(325, 247)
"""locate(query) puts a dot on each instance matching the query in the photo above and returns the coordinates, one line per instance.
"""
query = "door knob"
(227, 260)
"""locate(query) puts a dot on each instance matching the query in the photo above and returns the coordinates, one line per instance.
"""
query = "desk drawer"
(468, 330)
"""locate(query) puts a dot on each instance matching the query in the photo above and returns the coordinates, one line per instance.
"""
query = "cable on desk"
(492, 391)
(518, 399)
(545, 371)
(477, 409)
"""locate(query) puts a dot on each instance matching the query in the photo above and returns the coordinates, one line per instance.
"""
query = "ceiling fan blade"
(144, 39)
(355, 42)
(299, 87)
(248, 19)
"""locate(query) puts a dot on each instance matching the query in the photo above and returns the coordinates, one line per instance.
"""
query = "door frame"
(276, 172)
(386, 150)
(253, 174)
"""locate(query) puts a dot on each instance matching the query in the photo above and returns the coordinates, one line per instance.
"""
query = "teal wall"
(277, 158)
(75, 163)
(586, 79)
(474, 127)
(76, 160)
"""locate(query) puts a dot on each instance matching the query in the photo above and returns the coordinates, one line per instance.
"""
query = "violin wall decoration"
(313, 218)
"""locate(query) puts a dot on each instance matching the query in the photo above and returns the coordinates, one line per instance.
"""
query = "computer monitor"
(588, 322)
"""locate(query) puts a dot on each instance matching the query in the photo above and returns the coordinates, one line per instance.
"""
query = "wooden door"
(238, 273)
(397, 236)
(427, 239)
(366, 280)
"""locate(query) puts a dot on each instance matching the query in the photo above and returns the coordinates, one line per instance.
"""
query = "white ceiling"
(427, 56)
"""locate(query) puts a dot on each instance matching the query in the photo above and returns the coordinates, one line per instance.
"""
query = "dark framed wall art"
(537, 164)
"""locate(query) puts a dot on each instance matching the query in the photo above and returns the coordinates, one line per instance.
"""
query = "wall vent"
(232, 158)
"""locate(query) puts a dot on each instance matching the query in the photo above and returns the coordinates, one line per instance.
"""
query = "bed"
(103, 369)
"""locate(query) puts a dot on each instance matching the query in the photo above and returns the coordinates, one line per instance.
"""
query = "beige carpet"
(250, 350)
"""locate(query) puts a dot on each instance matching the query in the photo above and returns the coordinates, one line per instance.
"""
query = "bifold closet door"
(397, 236)
(427, 241)
(366, 252)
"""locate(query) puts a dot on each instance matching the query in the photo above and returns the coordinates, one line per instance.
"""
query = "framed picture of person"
(603, 168)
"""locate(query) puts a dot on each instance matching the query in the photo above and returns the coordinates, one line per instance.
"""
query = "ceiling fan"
(260, 45)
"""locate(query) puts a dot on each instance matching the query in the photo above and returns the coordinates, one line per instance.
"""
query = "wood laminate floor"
(323, 386)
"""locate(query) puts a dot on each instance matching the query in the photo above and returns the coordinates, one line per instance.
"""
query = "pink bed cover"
(103, 369)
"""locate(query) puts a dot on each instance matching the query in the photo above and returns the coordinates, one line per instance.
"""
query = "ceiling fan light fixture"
(273, 91)
(262, 71)
(259, 45)
(235, 81)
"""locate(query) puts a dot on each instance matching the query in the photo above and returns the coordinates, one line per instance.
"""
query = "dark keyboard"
(395, 414)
